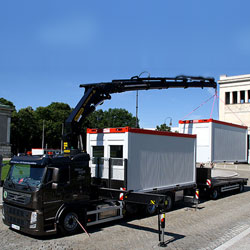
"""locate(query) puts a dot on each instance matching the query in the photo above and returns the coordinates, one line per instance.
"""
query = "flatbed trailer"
(215, 186)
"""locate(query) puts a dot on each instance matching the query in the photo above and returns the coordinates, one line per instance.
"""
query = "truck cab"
(39, 190)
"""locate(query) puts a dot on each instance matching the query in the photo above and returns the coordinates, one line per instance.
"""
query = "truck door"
(54, 198)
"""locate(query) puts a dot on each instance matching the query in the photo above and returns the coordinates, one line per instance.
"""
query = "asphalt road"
(222, 224)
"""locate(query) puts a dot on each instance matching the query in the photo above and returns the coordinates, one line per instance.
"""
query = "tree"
(110, 118)
(27, 124)
(53, 116)
(24, 133)
(163, 127)
(8, 103)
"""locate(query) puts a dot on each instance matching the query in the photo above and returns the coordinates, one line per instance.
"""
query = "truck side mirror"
(55, 176)
(54, 185)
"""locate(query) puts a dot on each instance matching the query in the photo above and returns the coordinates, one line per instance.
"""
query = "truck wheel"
(215, 194)
(68, 224)
(170, 200)
(131, 208)
(150, 209)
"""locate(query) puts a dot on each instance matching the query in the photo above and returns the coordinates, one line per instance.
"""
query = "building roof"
(224, 79)
(6, 107)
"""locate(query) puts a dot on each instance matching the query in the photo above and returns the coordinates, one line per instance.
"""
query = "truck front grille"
(17, 216)
(17, 197)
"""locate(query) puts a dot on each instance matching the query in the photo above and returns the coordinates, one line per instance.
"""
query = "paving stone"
(207, 228)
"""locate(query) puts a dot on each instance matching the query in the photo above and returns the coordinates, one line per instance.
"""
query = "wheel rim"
(169, 200)
(215, 194)
(151, 209)
(70, 223)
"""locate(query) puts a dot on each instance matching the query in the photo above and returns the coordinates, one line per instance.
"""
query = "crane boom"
(96, 93)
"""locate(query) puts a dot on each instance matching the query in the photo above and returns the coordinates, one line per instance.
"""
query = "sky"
(49, 47)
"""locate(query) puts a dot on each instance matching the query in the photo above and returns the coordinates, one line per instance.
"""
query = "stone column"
(8, 130)
(231, 97)
(238, 96)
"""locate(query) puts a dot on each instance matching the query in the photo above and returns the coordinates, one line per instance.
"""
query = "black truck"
(46, 194)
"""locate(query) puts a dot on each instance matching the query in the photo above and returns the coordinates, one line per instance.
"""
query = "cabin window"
(98, 151)
(48, 176)
(242, 96)
(97, 154)
(227, 97)
(235, 97)
(248, 95)
(116, 153)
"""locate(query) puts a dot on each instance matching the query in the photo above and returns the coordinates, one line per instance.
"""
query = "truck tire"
(170, 200)
(68, 224)
(214, 194)
(131, 208)
(150, 209)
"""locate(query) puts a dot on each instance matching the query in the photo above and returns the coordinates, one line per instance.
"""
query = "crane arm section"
(96, 93)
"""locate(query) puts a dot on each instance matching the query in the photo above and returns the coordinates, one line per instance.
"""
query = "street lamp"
(43, 136)
(170, 123)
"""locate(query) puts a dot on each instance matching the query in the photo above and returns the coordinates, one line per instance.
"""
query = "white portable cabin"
(142, 160)
(217, 141)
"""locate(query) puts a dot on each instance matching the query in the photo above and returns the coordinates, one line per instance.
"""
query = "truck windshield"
(26, 175)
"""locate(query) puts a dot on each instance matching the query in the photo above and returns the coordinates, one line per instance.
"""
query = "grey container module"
(217, 141)
(155, 160)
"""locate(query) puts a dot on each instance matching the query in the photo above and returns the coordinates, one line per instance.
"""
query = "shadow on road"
(174, 236)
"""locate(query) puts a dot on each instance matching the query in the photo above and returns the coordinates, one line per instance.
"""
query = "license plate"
(15, 226)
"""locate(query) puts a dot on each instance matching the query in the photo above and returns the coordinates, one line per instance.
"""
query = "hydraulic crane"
(97, 93)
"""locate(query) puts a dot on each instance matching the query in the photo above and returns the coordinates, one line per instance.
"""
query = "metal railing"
(99, 162)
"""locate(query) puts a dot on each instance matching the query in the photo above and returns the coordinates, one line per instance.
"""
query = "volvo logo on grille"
(18, 197)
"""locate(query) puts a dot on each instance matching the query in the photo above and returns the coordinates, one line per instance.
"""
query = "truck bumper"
(20, 219)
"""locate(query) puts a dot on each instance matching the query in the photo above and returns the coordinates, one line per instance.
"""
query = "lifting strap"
(201, 106)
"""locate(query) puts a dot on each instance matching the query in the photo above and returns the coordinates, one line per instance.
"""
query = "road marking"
(233, 240)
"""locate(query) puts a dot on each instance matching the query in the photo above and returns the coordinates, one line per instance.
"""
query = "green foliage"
(8, 103)
(23, 129)
(110, 118)
(53, 117)
(27, 124)
(5, 170)
(163, 127)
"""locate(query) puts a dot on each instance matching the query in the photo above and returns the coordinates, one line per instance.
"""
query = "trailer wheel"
(215, 194)
(68, 224)
(241, 189)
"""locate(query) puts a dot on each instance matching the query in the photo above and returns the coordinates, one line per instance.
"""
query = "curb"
(233, 167)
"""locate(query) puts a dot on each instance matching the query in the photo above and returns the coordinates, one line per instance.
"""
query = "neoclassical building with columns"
(5, 120)
(234, 102)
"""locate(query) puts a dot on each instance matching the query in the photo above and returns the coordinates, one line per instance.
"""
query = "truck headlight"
(5, 194)
(33, 220)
